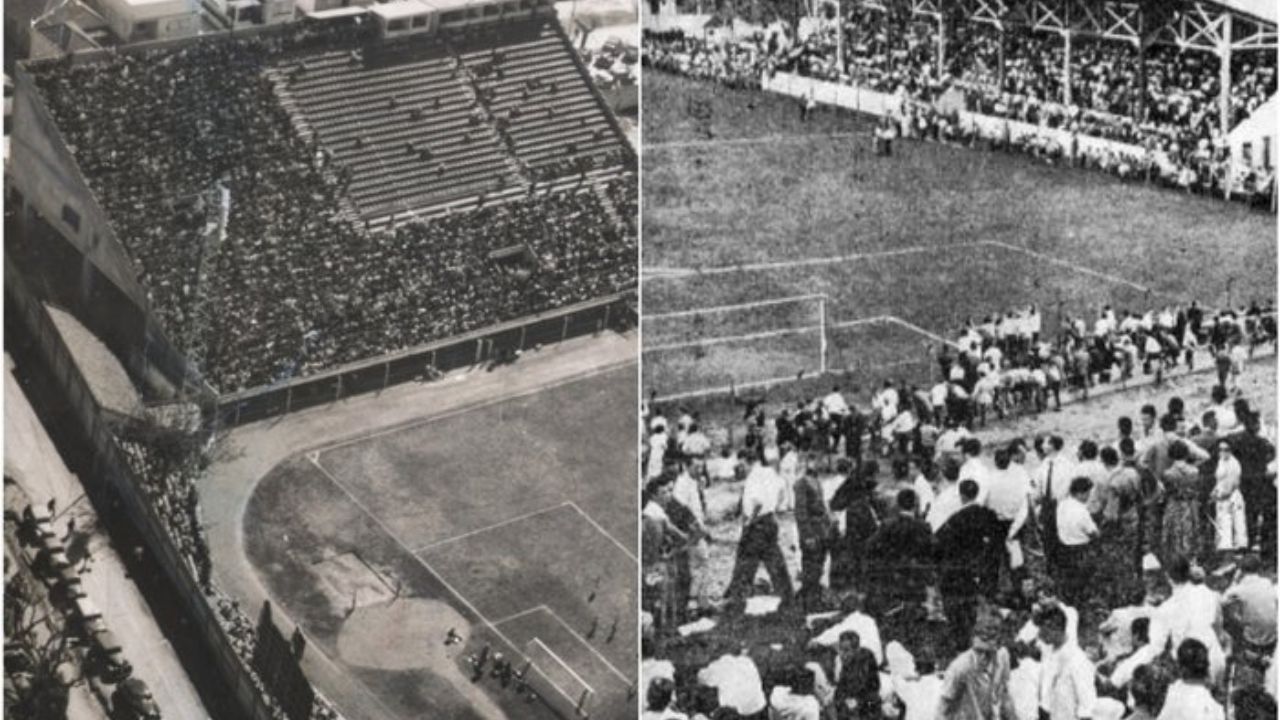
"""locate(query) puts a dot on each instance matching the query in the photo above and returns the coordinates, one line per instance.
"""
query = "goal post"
(711, 350)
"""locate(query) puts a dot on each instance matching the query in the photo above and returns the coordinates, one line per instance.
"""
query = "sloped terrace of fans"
(295, 286)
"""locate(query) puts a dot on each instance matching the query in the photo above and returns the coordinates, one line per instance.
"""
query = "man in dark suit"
(815, 526)
(968, 543)
(902, 554)
(857, 691)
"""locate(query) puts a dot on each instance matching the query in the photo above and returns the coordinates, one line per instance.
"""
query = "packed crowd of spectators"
(739, 65)
(1111, 576)
(1172, 124)
(166, 469)
(172, 140)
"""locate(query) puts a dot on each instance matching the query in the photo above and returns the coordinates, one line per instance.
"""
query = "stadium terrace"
(273, 204)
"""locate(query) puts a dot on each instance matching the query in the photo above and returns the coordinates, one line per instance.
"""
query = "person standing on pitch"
(762, 496)
(815, 525)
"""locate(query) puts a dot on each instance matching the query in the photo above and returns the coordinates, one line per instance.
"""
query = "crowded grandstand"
(293, 200)
(1065, 506)
(1168, 88)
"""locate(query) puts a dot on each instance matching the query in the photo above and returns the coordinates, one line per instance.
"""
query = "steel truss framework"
(1187, 24)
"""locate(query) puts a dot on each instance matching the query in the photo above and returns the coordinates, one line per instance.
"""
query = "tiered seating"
(295, 283)
(402, 124)
(538, 96)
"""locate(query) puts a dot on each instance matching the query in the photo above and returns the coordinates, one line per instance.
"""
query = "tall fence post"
(564, 330)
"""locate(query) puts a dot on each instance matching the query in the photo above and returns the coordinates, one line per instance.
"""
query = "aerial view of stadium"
(322, 352)
(958, 317)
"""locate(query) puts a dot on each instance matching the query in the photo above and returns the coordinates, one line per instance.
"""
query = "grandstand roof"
(395, 10)
(1268, 10)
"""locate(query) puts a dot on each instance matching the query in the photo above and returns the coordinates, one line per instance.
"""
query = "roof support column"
(1066, 67)
(1224, 76)
(942, 46)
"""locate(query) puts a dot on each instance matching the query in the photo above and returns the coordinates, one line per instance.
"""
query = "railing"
(476, 348)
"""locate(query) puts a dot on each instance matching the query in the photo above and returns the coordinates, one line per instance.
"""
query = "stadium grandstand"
(271, 204)
(1180, 91)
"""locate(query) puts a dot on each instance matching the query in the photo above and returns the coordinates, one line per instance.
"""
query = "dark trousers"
(759, 545)
(1074, 572)
(961, 607)
(990, 578)
(1260, 520)
(813, 557)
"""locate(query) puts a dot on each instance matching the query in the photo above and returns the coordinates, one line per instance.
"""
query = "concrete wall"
(87, 269)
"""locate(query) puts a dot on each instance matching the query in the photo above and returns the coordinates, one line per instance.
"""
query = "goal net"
(555, 682)
(714, 350)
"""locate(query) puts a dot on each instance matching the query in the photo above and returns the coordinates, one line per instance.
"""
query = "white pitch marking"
(564, 665)
(732, 338)
(487, 528)
(735, 306)
(421, 422)
(391, 533)
(761, 140)
(604, 532)
(912, 326)
(656, 274)
(1075, 266)
(522, 613)
(589, 646)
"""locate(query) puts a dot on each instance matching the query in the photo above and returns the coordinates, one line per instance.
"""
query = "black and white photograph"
(958, 359)
(321, 350)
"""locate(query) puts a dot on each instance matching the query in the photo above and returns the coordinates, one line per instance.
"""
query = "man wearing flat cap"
(976, 684)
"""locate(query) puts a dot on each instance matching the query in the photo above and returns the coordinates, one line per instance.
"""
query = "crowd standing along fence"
(491, 344)
(851, 96)
(112, 484)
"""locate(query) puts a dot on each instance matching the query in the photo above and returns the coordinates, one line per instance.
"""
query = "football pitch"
(745, 202)
(507, 523)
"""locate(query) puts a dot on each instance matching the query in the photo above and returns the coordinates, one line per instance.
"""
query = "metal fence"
(615, 312)
(112, 483)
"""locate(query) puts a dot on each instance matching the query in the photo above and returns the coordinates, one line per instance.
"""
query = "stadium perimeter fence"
(491, 344)
(111, 483)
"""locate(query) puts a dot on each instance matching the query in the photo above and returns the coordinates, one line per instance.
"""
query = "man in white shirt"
(796, 699)
(1076, 531)
(723, 468)
(975, 468)
(763, 495)
(1091, 467)
(1192, 611)
(1067, 689)
(947, 501)
(737, 679)
(1009, 496)
(1189, 698)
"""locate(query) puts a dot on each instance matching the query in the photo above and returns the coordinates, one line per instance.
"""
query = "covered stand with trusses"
(1221, 28)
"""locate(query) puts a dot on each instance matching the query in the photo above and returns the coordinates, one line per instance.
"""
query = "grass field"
(774, 207)
(508, 522)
